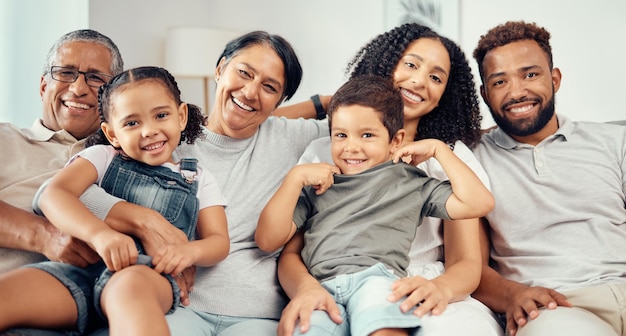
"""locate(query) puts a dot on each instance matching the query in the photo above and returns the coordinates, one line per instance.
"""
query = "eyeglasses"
(69, 75)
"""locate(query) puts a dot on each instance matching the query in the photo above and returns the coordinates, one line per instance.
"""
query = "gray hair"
(86, 35)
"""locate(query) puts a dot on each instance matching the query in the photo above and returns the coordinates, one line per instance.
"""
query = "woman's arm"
(460, 278)
(305, 109)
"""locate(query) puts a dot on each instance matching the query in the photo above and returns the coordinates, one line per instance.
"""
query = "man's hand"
(154, 231)
(64, 248)
(302, 306)
(525, 302)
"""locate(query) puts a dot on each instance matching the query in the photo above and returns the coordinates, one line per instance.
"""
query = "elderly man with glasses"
(31, 156)
(77, 65)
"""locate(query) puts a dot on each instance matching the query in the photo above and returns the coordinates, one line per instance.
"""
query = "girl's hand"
(116, 249)
(420, 292)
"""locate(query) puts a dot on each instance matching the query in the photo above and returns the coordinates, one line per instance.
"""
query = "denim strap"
(188, 169)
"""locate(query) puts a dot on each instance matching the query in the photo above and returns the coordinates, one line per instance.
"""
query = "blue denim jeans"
(189, 322)
(159, 188)
(362, 297)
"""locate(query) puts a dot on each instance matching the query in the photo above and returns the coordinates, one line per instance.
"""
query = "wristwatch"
(320, 113)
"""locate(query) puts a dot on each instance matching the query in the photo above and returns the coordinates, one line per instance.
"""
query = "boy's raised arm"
(470, 198)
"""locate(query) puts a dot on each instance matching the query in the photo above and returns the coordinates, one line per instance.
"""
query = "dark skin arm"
(23, 230)
(304, 109)
(520, 302)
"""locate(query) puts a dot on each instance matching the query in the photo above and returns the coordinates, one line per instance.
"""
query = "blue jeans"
(362, 298)
(189, 322)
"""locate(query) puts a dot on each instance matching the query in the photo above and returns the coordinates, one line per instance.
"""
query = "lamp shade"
(194, 51)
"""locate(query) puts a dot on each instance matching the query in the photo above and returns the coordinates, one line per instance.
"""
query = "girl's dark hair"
(293, 70)
(195, 118)
(457, 117)
(375, 92)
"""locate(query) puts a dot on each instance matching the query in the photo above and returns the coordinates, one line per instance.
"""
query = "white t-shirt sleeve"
(434, 169)
(209, 193)
(100, 157)
(317, 151)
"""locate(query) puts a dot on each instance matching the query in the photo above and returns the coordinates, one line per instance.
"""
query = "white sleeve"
(317, 151)
(434, 169)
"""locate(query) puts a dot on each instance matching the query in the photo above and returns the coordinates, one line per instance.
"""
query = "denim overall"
(158, 188)
(172, 194)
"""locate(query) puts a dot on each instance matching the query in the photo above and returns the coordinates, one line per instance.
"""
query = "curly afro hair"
(458, 115)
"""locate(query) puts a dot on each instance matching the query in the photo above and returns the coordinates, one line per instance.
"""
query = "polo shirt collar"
(39, 132)
(504, 140)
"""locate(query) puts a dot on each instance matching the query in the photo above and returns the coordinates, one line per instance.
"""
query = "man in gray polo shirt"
(558, 230)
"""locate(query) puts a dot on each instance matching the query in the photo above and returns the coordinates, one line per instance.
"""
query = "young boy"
(358, 232)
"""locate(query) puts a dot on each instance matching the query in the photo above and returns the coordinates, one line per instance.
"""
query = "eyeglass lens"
(69, 75)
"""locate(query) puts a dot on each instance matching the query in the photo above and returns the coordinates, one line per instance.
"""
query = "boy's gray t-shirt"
(367, 218)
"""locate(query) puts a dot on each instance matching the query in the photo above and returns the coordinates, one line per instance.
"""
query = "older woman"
(249, 152)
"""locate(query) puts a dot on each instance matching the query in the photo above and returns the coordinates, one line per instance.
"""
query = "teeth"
(242, 105)
(411, 95)
(521, 109)
(77, 105)
(154, 146)
(354, 161)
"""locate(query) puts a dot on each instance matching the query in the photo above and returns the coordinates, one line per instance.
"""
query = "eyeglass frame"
(78, 73)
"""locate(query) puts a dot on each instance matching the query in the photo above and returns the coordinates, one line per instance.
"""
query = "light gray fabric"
(367, 218)
(560, 217)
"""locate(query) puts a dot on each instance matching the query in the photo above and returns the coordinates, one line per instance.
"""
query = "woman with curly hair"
(440, 102)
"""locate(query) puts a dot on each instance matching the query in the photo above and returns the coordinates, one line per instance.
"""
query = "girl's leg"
(135, 301)
(34, 298)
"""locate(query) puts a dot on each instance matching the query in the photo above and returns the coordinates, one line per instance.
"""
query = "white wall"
(586, 41)
(587, 45)
(586, 38)
(28, 28)
(324, 33)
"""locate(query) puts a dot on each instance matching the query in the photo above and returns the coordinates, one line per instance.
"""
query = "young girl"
(144, 121)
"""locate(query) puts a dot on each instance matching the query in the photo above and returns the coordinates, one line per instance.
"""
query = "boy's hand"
(418, 151)
(318, 175)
